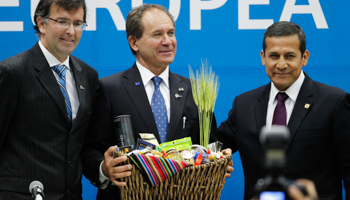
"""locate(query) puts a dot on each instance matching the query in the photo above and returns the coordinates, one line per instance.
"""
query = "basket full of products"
(174, 170)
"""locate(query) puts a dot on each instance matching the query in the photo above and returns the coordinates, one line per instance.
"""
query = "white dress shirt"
(292, 93)
(70, 81)
(147, 76)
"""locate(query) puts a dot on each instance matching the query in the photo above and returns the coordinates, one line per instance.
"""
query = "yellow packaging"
(180, 144)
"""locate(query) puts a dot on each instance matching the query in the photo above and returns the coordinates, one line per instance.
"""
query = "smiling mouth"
(281, 75)
(167, 51)
(67, 40)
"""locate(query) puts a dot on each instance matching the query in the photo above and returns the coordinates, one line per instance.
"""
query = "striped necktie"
(61, 71)
(159, 109)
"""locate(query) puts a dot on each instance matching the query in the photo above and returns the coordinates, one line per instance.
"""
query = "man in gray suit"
(150, 32)
(45, 106)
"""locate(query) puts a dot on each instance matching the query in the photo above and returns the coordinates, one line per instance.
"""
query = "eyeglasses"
(66, 23)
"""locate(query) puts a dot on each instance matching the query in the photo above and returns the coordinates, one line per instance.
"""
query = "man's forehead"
(293, 37)
(58, 9)
(152, 10)
(273, 52)
(151, 20)
(288, 40)
(154, 13)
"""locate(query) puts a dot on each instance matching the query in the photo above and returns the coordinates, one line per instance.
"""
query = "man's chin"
(281, 87)
(167, 61)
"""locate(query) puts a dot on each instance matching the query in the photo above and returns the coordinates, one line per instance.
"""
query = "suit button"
(68, 192)
(69, 163)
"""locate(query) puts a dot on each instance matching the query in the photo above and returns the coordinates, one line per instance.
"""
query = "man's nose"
(282, 63)
(70, 29)
(166, 40)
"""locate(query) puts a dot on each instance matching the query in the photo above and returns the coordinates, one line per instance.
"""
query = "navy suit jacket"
(319, 145)
(37, 141)
(119, 94)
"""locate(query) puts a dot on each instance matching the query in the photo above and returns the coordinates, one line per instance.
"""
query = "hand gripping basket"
(204, 181)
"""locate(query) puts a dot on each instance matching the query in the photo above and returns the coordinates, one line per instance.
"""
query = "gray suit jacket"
(318, 148)
(119, 95)
(36, 140)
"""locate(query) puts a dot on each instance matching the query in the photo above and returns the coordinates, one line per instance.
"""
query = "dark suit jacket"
(36, 140)
(319, 146)
(119, 95)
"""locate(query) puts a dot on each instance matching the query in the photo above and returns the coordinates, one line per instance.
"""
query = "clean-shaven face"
(283, 60)
(156, 48)
(61, 42)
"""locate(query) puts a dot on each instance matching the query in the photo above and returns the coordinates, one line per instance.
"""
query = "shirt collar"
(292, 91)
(147, 75)
(52, 60)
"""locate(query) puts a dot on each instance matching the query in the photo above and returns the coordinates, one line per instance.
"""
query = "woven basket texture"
(204, 181)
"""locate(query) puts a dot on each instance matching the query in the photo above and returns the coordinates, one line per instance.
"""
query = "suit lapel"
(260, 109)
(80, 84)
(47, 79)
(133, 85)
(300, 111)
(177, 103)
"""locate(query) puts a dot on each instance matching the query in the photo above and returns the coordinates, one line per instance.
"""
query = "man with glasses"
(45, 105)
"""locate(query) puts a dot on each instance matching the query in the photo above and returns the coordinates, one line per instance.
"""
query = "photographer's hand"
(296, 194)
(230, 164)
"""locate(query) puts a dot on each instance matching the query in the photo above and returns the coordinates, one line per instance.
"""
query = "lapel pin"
(307, 106)
(82, 87)
(137, 83)
(178, 96)
(181, 89)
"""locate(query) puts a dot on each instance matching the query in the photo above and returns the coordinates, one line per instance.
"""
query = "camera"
(274, 186)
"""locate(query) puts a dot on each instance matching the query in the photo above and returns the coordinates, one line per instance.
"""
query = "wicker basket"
(204, 181)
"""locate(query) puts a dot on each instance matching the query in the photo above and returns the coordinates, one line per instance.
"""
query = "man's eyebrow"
(63, 18)
(291, 52)
(160, 30)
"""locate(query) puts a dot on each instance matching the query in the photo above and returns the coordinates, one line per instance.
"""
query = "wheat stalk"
(205, 87)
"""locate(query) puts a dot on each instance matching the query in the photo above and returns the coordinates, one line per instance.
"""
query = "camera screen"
(272, 195)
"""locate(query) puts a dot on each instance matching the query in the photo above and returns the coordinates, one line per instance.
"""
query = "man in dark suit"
(317, 115)
(44, 113)
(151, 34)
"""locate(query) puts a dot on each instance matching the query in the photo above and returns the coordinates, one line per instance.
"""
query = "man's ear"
(305, 58)
(262, 55)
(41, 24)
(133, 43)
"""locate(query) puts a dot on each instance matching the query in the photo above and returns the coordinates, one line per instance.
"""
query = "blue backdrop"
(228, 33)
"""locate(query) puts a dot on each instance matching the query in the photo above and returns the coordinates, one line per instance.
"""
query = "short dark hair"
(134, 26)
(284, 28)
(44, 6)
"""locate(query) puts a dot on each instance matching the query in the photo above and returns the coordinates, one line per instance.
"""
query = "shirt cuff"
(103, 179)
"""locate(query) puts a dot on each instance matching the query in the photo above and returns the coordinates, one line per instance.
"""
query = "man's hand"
(296, 194)
(112, 171)
(230, 164)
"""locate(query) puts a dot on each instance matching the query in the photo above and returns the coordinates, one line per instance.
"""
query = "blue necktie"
(159, 109)
(61, 71)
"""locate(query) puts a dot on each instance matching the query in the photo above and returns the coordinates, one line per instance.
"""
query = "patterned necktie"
(280, 114)
(159, 109)
(61, 71)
